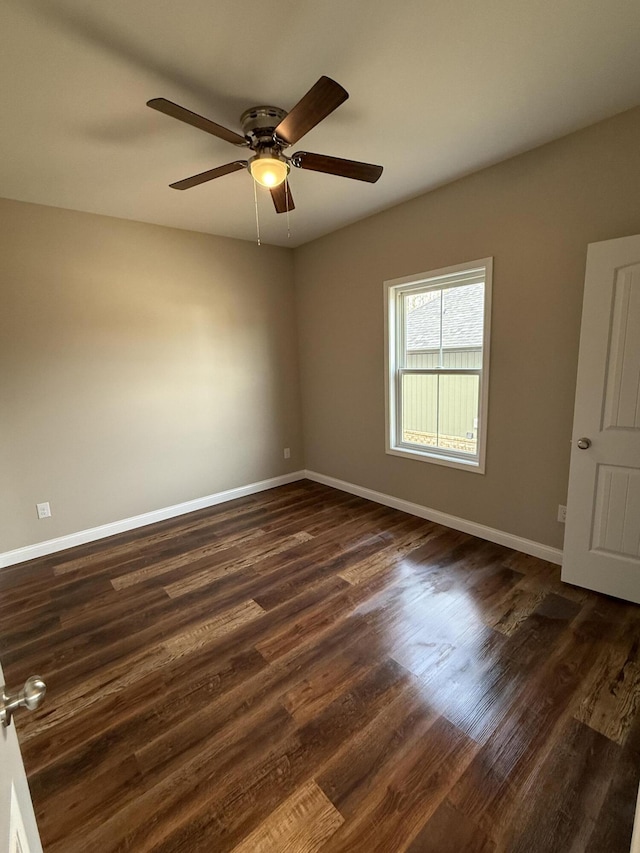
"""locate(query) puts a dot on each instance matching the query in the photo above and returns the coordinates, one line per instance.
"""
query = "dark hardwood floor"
(303, 670)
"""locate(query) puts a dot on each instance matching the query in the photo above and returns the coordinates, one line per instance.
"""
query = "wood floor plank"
(571, 809)
(302, 669)
(151, 660)
(322, 685)
(450, 831)
(493, 788)
(267, 685)
(154, 811)
(212, 554)
(611, 703)
(237, 809)
(546, 576)
(333, 730)
(78, 803)
(301, 824)
(265, 562)
(210, 629)
(354, 770)
(406, 797)
(613, 824)
(246, 560)
(508, 614)
(388, 558)
(97, 737)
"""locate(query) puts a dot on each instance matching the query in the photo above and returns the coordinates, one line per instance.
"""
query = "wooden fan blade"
(209, 175)
(282, 198)
(182, 114)
(321, 100)
(337, 166)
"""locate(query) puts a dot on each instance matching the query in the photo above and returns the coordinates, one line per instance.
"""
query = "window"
(437, 331)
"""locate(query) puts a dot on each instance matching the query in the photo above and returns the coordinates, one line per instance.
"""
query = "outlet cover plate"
(44, 510)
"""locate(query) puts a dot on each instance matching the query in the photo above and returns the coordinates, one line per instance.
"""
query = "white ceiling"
(439, 88)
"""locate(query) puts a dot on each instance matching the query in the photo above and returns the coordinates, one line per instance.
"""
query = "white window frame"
(458, 275)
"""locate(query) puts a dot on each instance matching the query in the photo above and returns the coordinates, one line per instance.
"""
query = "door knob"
(30, 697)
(584, 443)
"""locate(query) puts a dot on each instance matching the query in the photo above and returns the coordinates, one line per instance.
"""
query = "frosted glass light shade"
(268, 171)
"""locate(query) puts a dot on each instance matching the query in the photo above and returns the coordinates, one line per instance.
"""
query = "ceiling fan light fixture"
(269, 171)
(267, 131)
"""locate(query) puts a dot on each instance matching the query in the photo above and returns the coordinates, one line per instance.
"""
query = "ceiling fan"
(268, 131)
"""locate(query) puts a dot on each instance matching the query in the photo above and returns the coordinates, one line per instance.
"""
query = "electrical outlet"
(287, 453)
(44, 510)
(562, 513)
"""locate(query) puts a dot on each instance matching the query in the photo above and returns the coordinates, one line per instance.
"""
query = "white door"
(602, 538)
(18, 830)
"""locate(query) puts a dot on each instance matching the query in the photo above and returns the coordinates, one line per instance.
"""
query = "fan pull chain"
(286, 199)
(255, 199)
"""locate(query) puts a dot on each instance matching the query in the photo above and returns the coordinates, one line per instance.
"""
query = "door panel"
(615, 527)
(602, 541)
(622, 410)
(18, 830)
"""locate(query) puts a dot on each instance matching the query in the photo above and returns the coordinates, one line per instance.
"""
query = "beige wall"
(143, 366)
(140, 366)
(535, 214)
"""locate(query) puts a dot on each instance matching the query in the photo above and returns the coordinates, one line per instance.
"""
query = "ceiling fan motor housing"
(259, 123)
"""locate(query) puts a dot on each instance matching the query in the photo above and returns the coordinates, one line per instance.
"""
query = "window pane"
(441, 411)
(462, 316)
(444, 328)
(420, 410)
(422, 313)
(458, 400)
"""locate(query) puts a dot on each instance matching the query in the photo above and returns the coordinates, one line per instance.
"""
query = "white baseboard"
(51, 546)
(518, 543)
(42, 549)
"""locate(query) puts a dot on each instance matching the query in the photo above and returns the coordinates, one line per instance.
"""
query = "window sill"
(472, 465)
